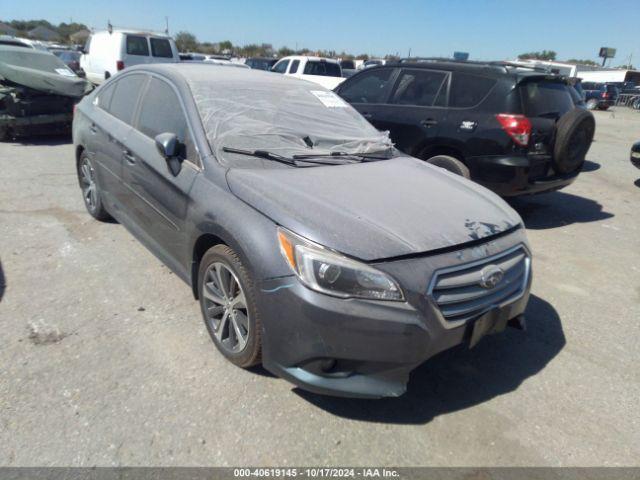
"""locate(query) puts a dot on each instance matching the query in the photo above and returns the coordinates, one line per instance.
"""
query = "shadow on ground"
(43, 140)
(557, 209)
(461, 378)
(589, 166)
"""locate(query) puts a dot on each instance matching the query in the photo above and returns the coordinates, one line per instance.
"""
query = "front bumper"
(361, 348)
(518, 174)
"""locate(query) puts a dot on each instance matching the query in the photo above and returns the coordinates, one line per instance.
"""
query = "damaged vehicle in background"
(37, 92)
(313, 246)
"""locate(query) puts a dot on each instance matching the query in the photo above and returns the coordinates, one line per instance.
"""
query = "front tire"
(227, 300)
(90, 190)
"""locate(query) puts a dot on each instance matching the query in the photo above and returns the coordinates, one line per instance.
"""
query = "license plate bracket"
(493, 321)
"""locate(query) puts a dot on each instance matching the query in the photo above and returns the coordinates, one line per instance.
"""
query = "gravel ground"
(105, 360)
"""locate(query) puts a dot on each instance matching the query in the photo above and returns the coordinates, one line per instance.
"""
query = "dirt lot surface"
(105, 359)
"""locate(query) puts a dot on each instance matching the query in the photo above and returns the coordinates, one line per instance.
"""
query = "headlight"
(329, 272)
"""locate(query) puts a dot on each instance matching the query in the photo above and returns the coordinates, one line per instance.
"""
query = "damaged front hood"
(37, 70)
(376, 210)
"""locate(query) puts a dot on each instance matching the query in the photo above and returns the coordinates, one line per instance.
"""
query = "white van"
(107, 52)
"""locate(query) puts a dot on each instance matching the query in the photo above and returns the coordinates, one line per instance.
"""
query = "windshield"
(253, 110)
(36, 60)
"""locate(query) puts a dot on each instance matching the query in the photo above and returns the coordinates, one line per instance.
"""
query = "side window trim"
(446, 80)
(198, 163)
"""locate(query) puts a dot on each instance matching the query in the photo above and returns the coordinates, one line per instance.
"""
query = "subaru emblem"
(490, 276)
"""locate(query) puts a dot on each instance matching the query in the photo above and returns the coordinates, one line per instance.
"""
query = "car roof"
(133, 32)
(207, 72)
(23, 50)
(310, 57)
(488, 69)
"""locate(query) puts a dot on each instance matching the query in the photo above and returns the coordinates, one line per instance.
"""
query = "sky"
(487, 29)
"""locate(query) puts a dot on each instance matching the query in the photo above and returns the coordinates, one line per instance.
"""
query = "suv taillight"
(518, 127)
(605, 94)
(119, 65)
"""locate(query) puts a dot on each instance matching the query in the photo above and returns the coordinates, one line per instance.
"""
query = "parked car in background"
(373, 62)
(599, 96)
(22, 42)
(511, 129)
(71, 58)
(37, 92)
(109, 51)
(226, 63)
(635, 154)
(347, 64)
(261, 63)
(576, 83)
(318, 250)
(323, 71)
(191, 57)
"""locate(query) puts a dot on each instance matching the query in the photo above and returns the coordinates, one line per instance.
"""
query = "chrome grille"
(460, 295)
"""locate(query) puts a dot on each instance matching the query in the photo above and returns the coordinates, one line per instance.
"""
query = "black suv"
(514, 130)
(600, 95)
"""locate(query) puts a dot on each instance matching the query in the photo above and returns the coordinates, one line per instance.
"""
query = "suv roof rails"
(500, 64)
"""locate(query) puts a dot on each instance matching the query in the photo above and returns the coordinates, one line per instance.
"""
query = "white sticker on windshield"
(329, 99)
(66, 72)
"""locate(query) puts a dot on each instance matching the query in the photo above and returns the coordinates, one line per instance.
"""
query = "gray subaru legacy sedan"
(313, 246)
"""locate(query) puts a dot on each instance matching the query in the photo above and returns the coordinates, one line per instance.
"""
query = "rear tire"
(451, 164)
(574, 135)
(227, 301)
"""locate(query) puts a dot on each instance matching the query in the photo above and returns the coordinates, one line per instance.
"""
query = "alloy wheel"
(89, 187)
(226, 307)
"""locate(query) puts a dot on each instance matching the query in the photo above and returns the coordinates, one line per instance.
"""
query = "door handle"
(93, 128)
(368, 116)
(429, 122)
(126, 154)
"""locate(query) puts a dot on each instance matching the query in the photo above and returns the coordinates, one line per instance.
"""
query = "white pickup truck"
(323, 71)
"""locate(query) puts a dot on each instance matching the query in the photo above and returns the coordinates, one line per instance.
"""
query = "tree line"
(187, 42)
(64, 30)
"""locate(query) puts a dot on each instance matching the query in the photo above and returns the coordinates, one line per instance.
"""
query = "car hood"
(375, 210)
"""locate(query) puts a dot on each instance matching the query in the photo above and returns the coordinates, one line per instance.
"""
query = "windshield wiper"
(262, 154)
(296, 161)
(361, 155)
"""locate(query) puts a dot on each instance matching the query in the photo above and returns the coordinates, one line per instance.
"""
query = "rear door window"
(125, 97)
(368, 87)
(294, 66)
(137, 45)
(161, 47)
(545, 98)
(161, 112)
(419, 87)
(323, 69)
(468, 90)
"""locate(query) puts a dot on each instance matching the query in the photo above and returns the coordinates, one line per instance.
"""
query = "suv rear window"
(137, 45)
(545, 98)
(324, 69)
(160, 47)
(468, 90)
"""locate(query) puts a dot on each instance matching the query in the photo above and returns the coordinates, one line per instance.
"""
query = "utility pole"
(166, 22)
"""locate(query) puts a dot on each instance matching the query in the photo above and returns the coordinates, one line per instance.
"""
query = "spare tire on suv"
(574, 134)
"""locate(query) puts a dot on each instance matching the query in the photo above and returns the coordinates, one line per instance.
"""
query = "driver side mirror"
(169, 147)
